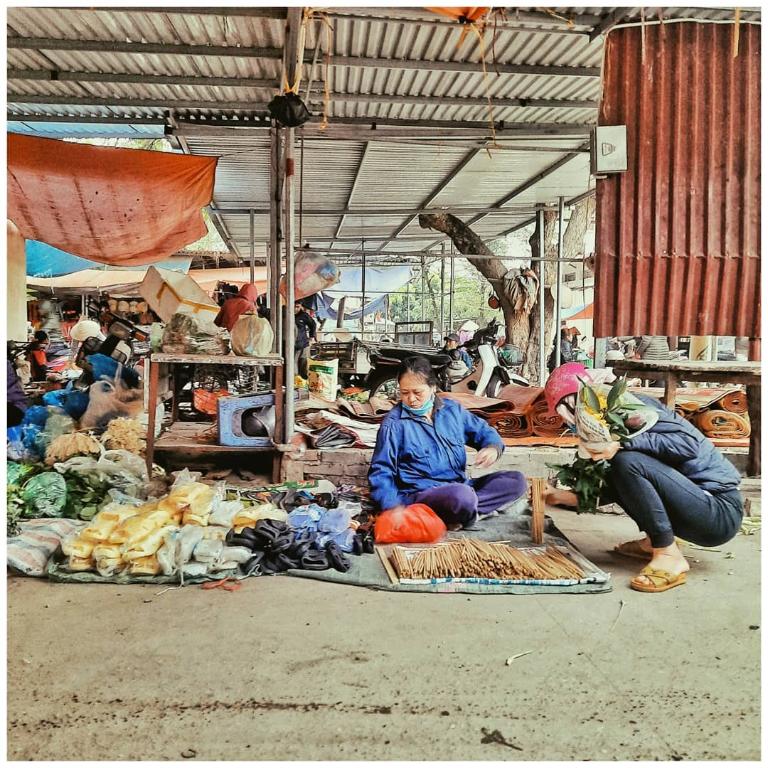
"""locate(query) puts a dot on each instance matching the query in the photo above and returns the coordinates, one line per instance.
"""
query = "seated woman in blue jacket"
(670, 479)
(420, 455)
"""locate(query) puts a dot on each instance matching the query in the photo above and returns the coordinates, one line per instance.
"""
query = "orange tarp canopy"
(114, 206)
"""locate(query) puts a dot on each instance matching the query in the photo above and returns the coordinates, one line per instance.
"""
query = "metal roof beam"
(55, 75)
(610, 20)
(499, 204)
(462, 66)
(516, 17)
(122, 46)
(242, 209)
(457, 169)
(458, 101)
(532, 182)
(252, 13)
(352, 191)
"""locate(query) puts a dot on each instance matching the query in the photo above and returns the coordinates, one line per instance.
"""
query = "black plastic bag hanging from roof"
(289, 110)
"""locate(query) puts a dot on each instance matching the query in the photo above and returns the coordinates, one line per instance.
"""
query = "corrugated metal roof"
(678, 234)
(528, 36)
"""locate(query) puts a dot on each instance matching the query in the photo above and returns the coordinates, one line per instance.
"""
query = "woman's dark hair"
(418, 366)
(41, 336)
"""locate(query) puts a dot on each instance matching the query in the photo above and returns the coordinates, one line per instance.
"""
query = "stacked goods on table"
(473, 559)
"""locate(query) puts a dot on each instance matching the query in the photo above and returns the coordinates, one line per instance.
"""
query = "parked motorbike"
(118, 344)
(486, 379)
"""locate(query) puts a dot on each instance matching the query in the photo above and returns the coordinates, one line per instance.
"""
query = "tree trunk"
(522, 329)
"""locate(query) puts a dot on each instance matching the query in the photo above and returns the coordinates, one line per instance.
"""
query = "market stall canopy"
(127, 281)
(46, 261)
(115, 206)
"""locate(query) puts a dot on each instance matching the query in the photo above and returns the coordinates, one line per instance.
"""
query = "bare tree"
(517, 290)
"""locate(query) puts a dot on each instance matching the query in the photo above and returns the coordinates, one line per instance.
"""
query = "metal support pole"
(442, 292)
(290, 319)
(542, 308)
(274, 240)
(362, 305)
(450, 293)
(408, 302)
(253, 249)
(561, 203)
(423, 285)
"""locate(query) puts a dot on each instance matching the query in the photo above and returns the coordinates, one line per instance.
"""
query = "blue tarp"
(44, 260)
(378, 283)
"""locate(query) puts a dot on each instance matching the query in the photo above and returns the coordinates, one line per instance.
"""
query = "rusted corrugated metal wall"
(678, 234)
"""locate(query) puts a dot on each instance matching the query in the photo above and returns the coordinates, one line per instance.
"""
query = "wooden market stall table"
(184, 437)
(676, 371)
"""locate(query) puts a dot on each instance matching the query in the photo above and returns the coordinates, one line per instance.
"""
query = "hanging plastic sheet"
(44, 260)
(115, 206)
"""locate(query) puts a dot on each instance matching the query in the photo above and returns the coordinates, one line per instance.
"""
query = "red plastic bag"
(416, 524)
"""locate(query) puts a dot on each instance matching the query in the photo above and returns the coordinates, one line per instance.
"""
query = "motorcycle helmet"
(86, 329)
(563, 381)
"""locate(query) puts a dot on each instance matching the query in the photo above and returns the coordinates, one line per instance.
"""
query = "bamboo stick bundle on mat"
(734, 402)
(509, 424)
(723, 424)
(475, 559)
(543, 423)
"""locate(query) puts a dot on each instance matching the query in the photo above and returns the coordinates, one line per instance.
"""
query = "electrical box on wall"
(608, 149)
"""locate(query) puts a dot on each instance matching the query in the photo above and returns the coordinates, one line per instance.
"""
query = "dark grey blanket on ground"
(368, 571)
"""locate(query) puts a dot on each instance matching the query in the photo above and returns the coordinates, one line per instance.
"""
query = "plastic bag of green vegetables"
(86, 493)
(44, 495)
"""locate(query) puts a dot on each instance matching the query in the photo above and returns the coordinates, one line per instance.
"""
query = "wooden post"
(154, 383)
(542, 301)
(538, 486)
(559, 278)
(753, 406)
(670, 388)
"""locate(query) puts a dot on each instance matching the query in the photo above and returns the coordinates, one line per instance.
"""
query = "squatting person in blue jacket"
(670, 479)
(420, 455)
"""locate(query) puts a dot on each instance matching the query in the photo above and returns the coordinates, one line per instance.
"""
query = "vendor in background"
(670, 479)
(38, 360)
(420, 455)
(306, 331)
(17, 401)
(230, 311)
(567, 354)
(451, 345)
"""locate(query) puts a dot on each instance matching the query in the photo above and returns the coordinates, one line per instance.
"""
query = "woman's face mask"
(416, 395)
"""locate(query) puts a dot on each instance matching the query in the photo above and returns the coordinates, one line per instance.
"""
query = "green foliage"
(585, 478)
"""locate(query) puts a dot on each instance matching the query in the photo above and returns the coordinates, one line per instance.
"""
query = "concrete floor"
(292, 669)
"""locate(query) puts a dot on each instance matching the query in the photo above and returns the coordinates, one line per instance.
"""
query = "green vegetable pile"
(34, 492)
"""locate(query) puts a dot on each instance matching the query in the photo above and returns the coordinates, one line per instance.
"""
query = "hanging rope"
(736, 27)
(311, 14)
(554, 15)
(642, 35)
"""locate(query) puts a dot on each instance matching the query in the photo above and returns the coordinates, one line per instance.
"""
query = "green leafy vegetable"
(586, 478)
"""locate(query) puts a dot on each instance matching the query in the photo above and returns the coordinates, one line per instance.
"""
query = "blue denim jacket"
(412, 455)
